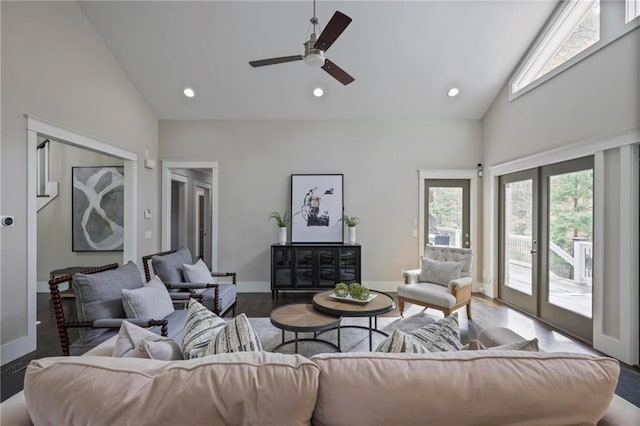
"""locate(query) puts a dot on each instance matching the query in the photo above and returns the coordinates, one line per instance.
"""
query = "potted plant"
(282, 221)
(351, 223)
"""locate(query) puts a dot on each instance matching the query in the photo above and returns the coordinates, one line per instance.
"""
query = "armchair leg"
(401, 306)
(469, 309)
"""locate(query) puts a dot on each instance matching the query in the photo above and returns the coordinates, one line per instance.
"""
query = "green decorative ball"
(364, 293)
(341, 290)
(354, 290)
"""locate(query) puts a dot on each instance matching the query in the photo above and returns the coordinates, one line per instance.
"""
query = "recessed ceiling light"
(317, 92)
(453, 92)
(189, 93)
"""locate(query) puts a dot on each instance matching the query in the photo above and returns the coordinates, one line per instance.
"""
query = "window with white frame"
(575, 28)
(632, 10)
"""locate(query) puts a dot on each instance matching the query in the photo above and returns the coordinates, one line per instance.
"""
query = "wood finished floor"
(486, 313)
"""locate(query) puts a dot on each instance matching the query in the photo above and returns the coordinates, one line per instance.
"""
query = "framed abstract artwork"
(97, 208)
(316, 208)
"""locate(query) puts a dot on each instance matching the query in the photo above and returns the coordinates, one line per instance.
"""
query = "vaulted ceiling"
(404, 56)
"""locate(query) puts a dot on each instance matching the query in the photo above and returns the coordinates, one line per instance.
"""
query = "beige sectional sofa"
(456, 388)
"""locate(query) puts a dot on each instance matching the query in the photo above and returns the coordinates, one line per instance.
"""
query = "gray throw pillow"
(136, 342)
(432, 271)
(197, 273)
(151, 301)
(237, 336)
(440, 336)
(525, 345)
(169, 266)
(99, 295)
(401, 342)
(200, 328)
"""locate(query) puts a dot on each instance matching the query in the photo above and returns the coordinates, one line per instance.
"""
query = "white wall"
(56, 67)
(597, 101)
(54, 220)
(597, 96)
(379, 160)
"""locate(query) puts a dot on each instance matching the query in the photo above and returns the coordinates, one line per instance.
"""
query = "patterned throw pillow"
(136, 342)
(432, 271)
(237, 336)
(200, 328)
(525, 345)
(440, 336)
(401, 342)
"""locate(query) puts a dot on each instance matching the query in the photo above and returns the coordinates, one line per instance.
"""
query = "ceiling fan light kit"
(315, 48)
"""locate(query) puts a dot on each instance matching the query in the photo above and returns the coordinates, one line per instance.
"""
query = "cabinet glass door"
(304, 267)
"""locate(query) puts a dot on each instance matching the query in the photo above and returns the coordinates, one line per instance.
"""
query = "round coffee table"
(381, 304)
(301, 317)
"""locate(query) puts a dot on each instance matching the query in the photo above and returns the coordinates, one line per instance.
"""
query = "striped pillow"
(440, 336)
(237, 336)
(401, 342)
(200, 328)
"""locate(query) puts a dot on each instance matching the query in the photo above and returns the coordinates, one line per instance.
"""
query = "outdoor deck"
(563, 292)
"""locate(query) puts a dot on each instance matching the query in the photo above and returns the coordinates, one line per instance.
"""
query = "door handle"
(534, 249)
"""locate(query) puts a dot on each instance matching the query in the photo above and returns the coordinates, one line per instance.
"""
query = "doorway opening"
(190, 208)
(37, 131)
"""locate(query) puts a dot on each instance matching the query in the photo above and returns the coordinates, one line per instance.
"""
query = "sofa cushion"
(432, 271)
(197, 273)
(151, 301)
(131, 343)
(99, 295)
(237, 336)
(169, 266)
(440, 336)
(401, 342)
(200, 328)
(226, 292)
(248, 388)
(464, 388)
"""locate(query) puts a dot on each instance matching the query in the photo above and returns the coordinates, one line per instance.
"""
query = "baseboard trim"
(14, 349)
(265, 286)
(43, 286)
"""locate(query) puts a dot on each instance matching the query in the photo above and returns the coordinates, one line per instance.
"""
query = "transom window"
(633, 10)
(577, 29)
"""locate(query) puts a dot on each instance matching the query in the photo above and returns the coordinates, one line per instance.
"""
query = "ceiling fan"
(315, 47)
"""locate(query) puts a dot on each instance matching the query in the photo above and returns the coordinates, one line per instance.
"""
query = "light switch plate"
(148, 234)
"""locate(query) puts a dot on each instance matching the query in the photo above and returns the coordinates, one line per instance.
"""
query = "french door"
(546, 243)
(447, 212)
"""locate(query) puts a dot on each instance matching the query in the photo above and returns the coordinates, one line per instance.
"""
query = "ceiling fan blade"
(273, 61)
(337, 24)
(336, 72)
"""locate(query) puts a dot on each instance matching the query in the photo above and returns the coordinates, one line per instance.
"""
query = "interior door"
(447, 212)
(518, 247)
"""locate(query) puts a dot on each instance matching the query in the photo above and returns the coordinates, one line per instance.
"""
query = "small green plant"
(350, 221)
(281, 220)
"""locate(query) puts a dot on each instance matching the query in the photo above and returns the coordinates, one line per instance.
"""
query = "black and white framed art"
(316, 208)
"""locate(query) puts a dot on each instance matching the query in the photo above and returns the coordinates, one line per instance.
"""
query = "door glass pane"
(445, 216)
(518, 239)
(571, 241)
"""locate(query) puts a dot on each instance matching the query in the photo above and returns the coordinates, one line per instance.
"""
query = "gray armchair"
(218, 297)
(443, 282)
(99, 307)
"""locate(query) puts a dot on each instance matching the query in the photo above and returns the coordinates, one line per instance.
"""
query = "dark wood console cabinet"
(310, 267)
